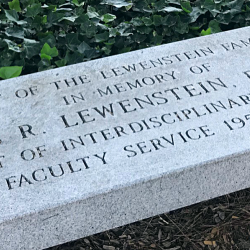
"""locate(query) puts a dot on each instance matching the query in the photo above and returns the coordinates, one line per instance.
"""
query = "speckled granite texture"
(97, 145)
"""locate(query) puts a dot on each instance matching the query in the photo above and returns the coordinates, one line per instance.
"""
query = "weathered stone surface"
(97, 145)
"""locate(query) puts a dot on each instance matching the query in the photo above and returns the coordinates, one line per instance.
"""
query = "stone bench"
(97, 145)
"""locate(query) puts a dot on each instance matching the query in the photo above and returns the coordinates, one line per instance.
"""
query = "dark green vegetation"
(39, 34)
(219, 224)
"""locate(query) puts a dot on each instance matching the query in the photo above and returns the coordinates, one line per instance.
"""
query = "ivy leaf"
(10, 72)
(212, 7)
(113, 32)
(147, 21)
(185, 5)
(72, 41)
(197, 11)
(44, 64)
(76, 3)
(171, 9)
(157, 39)
(33, 10)
(47, 38)
(144, 30)
(31, 48)
(15, 5)
(69, 18)
(137, 21)
(128, 7)
(44, 19)
(47, 52)
(53, 18)
(45, 56)
(61, 63)
(17, 32)
(209, 5)
(83, 47)
(181, 27)
(116, 3)
(74, 57)
(214, 26)
(108, 18)
(206, 32)
(12, 15)
(91, 12)
(236, 4)
(124, 29)
(26, 3)
(101, 37)
(157, 19)
(12, 46)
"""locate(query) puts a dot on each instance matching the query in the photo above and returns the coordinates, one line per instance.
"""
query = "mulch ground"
(222, 223)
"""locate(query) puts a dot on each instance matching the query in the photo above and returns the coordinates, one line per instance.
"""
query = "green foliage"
(186, 6)
(10, 72)
(206, 32)
(15, 5)
(37, 35)
(47, 52)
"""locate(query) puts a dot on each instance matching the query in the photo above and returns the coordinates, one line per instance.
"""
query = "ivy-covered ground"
(219, 224)
(36, 35)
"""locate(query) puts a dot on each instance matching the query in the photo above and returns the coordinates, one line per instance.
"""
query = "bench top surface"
(82, 130)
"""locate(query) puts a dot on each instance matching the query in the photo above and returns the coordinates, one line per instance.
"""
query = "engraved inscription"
(122, 115)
